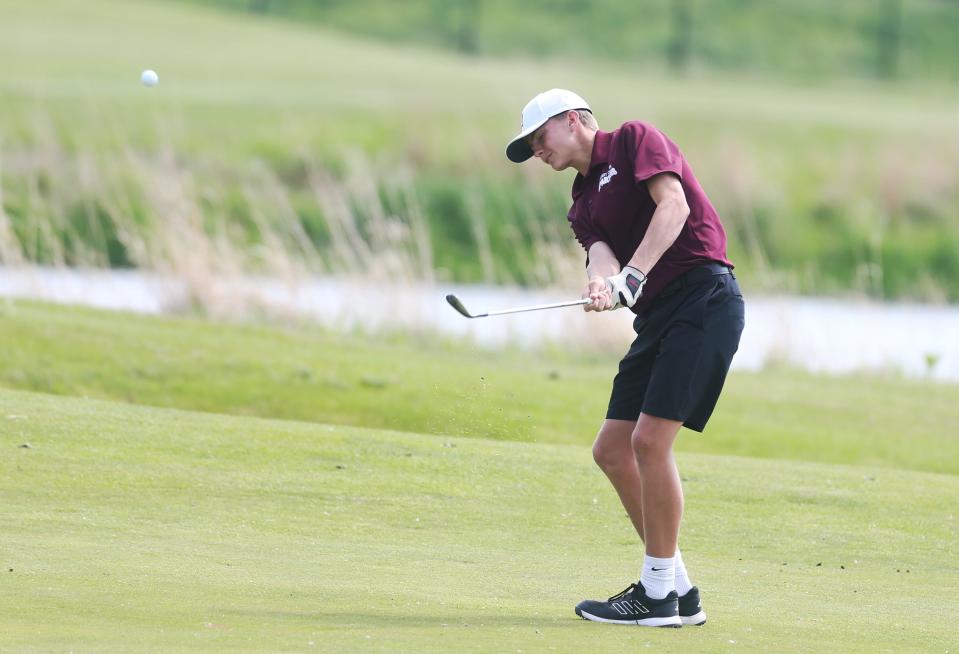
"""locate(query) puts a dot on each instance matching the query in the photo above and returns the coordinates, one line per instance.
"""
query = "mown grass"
(424, 384)
(281, 148)
(135, 529)
(824, 38)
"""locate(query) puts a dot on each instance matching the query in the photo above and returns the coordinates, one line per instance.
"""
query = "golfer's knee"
(649, 446)
(602, 455)
(607, 457)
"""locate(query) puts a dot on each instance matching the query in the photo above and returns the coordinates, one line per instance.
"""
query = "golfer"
(655, 245)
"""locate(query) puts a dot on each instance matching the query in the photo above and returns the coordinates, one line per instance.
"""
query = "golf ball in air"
(149, 78)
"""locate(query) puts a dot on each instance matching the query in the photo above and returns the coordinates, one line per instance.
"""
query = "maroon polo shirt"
(612, 204)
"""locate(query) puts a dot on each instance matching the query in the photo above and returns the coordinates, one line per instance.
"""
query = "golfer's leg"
(662, 491)
(613, 453)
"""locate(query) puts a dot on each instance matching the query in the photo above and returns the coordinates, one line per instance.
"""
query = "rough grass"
(132, 529)
(428, 385)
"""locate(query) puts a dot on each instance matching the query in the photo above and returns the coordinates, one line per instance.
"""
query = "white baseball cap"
(536, 112)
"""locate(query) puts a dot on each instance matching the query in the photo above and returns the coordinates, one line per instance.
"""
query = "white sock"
(683, 584)
(659, 576)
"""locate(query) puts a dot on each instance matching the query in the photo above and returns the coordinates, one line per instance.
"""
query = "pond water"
(816, 334)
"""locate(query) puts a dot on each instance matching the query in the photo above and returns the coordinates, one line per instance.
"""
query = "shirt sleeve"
(651, 152)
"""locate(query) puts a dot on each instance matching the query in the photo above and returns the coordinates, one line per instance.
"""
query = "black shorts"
(685, 341)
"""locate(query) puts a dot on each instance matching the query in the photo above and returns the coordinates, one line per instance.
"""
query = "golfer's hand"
(599, 293)
(626, 287)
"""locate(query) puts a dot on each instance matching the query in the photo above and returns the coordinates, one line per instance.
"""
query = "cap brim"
(518, 149)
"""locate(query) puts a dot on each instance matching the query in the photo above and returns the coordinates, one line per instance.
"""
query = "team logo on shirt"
(606, 177)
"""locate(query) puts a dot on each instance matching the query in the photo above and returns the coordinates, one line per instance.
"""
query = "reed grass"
(876, 223)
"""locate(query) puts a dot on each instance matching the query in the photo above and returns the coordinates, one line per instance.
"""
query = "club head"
(456, 304)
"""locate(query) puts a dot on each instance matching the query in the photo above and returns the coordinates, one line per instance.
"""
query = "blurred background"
(344, 160)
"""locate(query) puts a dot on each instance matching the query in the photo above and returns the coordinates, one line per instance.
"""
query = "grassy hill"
(884, 38)
(427, 385)
(287, 147)
(140, 530)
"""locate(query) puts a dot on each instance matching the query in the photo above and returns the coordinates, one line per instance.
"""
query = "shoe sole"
(694, 620)
(648, 622)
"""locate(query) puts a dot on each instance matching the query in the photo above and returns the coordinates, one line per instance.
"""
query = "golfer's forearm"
(664, 229)
(602, 261)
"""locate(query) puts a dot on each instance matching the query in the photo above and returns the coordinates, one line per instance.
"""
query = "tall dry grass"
(203, 222)
(877, 221)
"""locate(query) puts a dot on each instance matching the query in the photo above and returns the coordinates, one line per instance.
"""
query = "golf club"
(456, 304)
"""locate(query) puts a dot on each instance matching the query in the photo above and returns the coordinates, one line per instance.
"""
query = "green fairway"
(824, 38)
(427, 385)
(131, 529)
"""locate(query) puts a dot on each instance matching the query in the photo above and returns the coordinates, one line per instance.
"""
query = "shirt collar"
(599, 156)
(601, 147)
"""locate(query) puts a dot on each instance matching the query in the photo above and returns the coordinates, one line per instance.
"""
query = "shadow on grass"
(395, 618)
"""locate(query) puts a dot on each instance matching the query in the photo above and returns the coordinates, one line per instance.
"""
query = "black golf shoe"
(691, 609)
(633, 606)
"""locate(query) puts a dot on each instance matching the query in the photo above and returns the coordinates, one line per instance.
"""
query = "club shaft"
(538, 307)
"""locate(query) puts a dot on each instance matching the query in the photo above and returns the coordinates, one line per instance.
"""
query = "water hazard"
(819, 335)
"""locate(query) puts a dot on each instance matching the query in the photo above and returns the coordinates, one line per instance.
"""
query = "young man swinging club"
(655, 245)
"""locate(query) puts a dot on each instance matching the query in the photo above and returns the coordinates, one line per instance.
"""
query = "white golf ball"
(149, 78)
